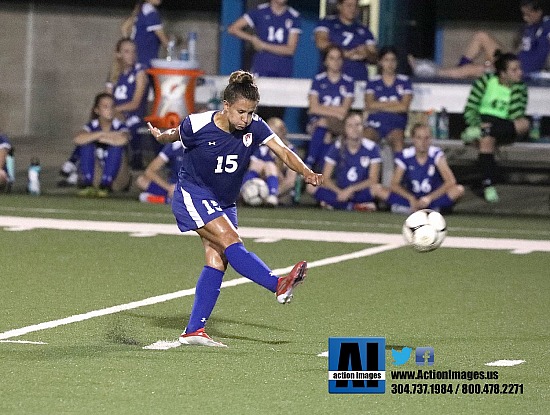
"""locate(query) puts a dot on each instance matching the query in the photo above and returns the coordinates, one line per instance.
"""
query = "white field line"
(15, 223)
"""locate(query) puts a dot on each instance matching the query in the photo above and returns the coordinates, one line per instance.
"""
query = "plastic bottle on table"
(192, 46)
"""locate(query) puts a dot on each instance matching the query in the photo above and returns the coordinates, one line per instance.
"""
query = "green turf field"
(84, 285)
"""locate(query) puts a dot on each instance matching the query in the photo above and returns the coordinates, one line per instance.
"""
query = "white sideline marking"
(152, 229)
(163, 345)
(21, 341)
(324, 354)
(505, 363)
(183, 293)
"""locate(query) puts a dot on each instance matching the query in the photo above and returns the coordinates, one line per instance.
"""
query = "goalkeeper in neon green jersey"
(495, 115)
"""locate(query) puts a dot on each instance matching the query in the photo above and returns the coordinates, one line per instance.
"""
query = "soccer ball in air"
(254, 191)
(425, 230)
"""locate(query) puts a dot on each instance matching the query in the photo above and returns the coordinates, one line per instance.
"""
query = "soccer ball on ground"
(425, 230)
(254, 191)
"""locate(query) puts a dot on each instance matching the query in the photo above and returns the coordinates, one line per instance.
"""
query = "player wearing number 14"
(217, 150)
(277, 28)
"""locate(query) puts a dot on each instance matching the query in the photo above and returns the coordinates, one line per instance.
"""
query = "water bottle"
(170, 49)
(10, 167)
(443, 125)
(432, 122)
(534, 133)
(184, 55)
(192, 46)
(33, 186)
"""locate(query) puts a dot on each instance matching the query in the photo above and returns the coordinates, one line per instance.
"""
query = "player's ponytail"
(241, 85)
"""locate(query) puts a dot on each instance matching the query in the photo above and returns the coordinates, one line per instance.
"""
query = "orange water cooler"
(174, 84)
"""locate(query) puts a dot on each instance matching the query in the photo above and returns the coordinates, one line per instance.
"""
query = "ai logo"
(356, 365)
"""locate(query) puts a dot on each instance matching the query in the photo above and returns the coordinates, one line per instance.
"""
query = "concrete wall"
(54, 59)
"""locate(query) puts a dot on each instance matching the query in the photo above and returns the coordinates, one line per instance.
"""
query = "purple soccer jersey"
(348, 37)
(420, 179)
(274, 29)
(329, 93)
(384, 122)
(143, 33)
(4, 142)
(217, 160)
(352, 168)
(124, 91)
(535, 46)
(172, 154)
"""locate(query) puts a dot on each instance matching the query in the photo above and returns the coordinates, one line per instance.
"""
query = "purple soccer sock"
(250, 266)
(315, 146)
(464, 61)
(250, 174)
(272, 184)
(206, 295)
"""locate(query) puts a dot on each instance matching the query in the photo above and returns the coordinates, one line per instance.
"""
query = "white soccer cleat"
(199, 338)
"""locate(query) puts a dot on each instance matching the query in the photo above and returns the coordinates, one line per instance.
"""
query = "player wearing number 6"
(217, 149)
(422, 177)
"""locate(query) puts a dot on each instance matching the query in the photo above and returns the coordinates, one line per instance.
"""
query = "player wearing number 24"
(217, 150)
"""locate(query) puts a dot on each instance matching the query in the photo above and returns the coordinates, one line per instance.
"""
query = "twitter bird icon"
(401, 357)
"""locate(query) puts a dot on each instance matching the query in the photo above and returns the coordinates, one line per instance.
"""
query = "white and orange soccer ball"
(425, 230)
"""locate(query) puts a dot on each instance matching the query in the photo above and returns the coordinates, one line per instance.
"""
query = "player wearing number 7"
(217, 149)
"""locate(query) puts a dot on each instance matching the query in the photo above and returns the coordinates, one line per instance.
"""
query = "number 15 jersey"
(216, 160)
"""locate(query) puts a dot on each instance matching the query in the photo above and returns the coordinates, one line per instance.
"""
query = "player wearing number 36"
(217, 149)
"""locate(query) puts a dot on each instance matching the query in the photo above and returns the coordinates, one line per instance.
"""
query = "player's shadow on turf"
(177, 323)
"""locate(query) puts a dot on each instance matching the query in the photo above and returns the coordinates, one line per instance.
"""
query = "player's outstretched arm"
(294, 162)
(168, 136)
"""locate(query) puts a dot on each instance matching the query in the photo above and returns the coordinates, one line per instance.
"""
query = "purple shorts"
(194, 207)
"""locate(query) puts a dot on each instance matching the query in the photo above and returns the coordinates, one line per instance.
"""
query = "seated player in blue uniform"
(5, 175)
(156, 185)
(387, 100)
(264, 164)
(106, 138)
(128, 83)
(217, 150)
(351, 171)
(422, 177)
(330, 99)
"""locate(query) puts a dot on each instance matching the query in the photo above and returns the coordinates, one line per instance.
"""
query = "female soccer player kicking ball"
(217, 149)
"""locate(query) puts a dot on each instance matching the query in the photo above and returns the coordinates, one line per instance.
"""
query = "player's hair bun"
(241, 77)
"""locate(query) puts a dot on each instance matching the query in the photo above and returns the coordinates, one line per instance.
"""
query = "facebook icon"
(425, 356)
